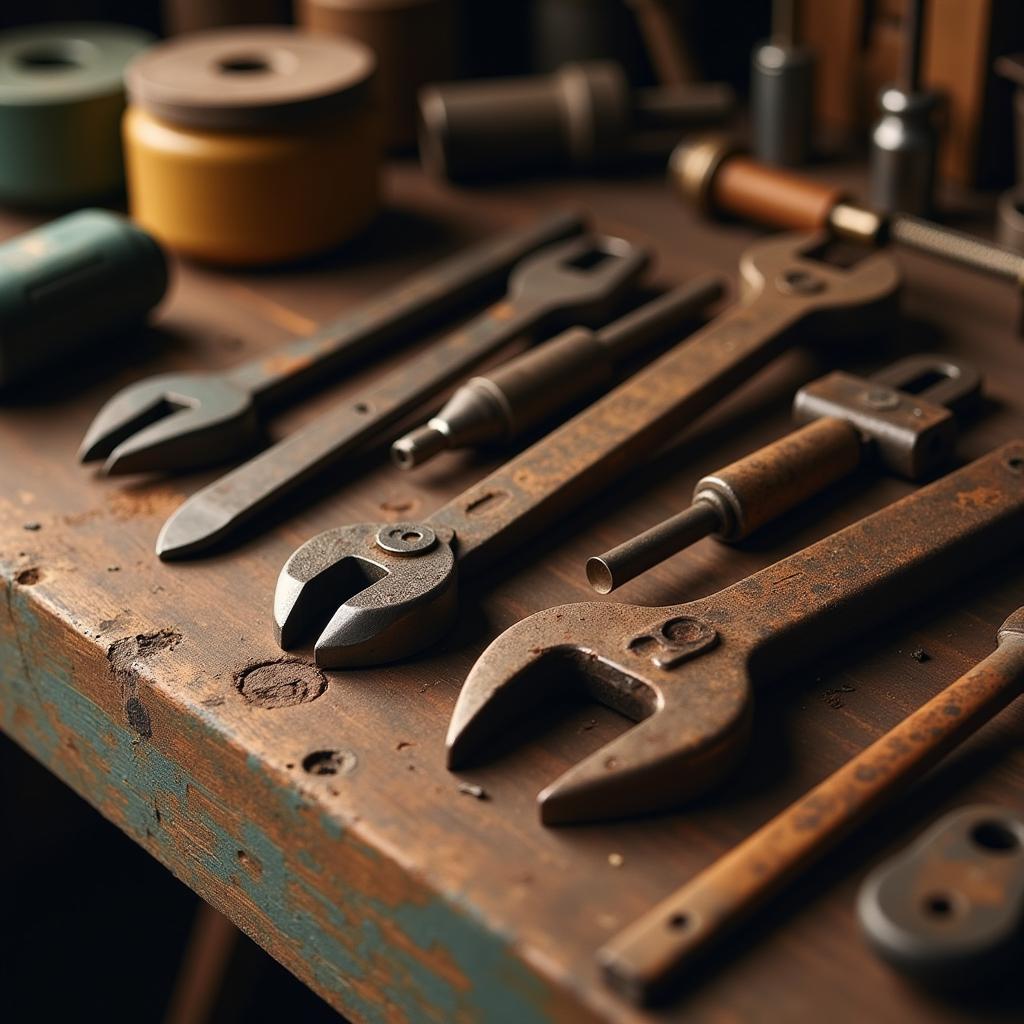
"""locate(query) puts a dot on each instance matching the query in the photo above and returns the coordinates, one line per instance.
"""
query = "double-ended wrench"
(379, 592)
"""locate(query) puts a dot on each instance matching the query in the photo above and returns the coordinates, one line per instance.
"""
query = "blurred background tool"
(949, 910)
(904, 141)
(1010, 207)
(251, 146)
(661, 25)
(584, 116)
(713, 175)
(414, 41)
(61, 99)
(530, 389)
(910, 430)
(70, 283)
(782, 91)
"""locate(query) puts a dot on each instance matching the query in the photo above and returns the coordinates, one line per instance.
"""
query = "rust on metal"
(650, 955)
(369, 606)
(696, 706)
(848, 419)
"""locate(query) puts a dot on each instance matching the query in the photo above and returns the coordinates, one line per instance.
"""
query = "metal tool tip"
(599, 575)
(418, 446)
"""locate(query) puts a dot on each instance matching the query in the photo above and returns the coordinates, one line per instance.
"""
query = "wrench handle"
(846, 582)
(645, 958)
(624, 427)
(411, 306)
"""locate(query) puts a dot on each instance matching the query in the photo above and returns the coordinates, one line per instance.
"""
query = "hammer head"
(665, 668)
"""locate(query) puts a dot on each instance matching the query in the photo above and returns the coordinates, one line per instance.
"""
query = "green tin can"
(69, 283)
(61, 100)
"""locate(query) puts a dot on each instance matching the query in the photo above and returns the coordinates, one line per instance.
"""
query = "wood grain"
(316, 811)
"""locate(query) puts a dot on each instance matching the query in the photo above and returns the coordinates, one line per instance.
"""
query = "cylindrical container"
(252, 146)
(414, 41)
(180, 16)
(71, 282)
(782, 103)
(61, 98)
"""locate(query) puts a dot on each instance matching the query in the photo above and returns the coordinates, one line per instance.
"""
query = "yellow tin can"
(252, 146)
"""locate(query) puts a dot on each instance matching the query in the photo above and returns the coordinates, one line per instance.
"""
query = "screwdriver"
(527, 390)
(712, 174)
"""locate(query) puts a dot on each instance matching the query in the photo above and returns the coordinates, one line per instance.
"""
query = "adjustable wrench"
(578, 281)
(685, 671)
(185, 420)
(643, 960)
(389, 590)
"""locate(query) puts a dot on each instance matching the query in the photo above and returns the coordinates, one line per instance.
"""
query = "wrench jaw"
(785, 266)
(379, 606)
(171, 422)
(690, 696)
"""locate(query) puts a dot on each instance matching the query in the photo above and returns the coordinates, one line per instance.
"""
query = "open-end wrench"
(579, 281)
(645, 959)
(685, 671)
(179, 421)
(386, 591)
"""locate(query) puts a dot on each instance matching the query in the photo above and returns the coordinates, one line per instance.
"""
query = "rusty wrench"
(389, 590)
(643, 961)
(578, 281)
(179, 421)
(685, 671)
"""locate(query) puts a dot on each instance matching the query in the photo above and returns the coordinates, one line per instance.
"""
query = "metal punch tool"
(889, 419)
(579, 281)
(377, 592)
(685, 672)
(177, 421)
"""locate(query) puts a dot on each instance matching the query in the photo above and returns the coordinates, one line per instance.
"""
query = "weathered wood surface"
(377, 882)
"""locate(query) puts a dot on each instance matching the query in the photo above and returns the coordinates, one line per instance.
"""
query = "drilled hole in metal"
(939, 905)
(995, 837)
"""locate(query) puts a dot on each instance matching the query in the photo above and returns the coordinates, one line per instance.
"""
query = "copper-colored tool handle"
(645, 958)
(780, 476)
(767, 195)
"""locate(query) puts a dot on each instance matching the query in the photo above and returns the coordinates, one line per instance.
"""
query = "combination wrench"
(379, 592)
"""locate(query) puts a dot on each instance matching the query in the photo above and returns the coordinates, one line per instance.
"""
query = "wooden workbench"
(365, 870)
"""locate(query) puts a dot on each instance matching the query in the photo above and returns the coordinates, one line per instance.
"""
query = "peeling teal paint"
(340, 949)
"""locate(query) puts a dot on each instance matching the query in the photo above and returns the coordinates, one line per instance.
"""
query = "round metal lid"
(250, 77)
(48, 65)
